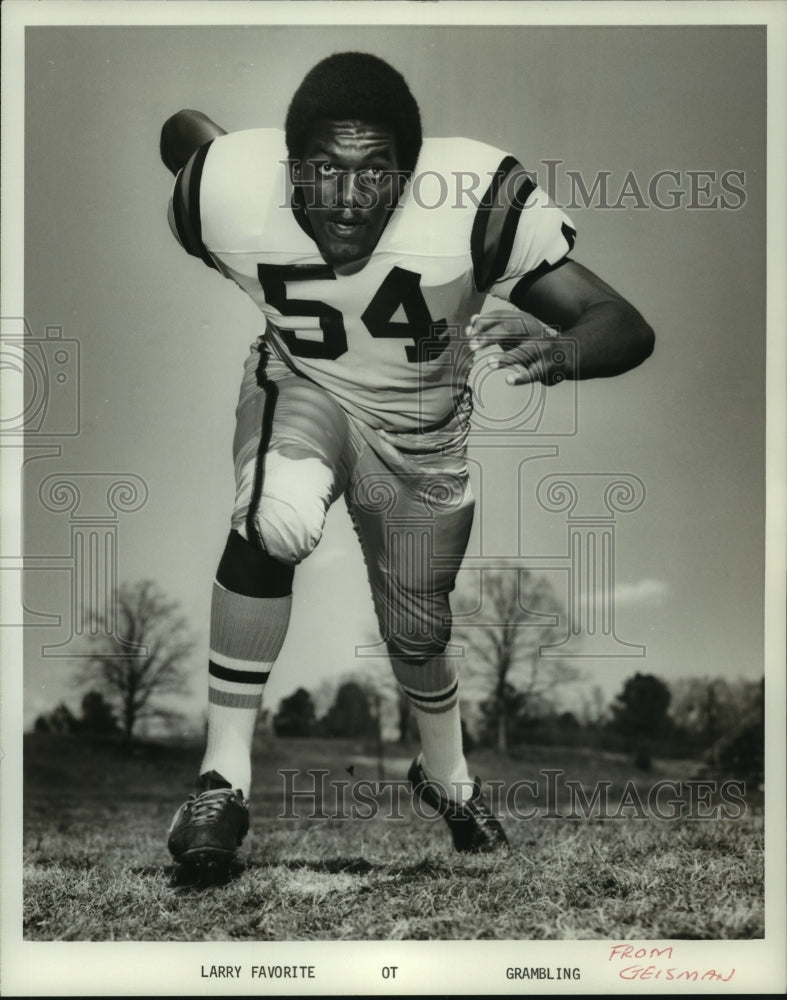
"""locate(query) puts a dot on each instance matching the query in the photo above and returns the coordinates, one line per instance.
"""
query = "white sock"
(433, 691)
(441, 755)
(228, 750)
(246, 635)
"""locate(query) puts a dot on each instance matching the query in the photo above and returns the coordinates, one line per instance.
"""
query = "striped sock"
(246, 634)
(433, 691)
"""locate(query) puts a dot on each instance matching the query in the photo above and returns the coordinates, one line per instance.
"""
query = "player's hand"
(521, 339)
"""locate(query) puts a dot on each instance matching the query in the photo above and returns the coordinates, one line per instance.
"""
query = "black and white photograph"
(393, 490)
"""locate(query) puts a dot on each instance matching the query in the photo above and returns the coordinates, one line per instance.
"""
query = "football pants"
(296, 451)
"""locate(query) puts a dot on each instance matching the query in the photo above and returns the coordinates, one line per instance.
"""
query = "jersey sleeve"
(518, 233)
(219, 195)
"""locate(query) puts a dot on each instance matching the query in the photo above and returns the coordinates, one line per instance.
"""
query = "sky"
(161, 340)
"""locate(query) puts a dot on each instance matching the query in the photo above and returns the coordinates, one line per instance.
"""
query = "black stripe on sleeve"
(481, 221)
(177, 211)
(507, 236)
(186, 207)
(569, 235)
(237, 676)
(199, 248)
(522, 287)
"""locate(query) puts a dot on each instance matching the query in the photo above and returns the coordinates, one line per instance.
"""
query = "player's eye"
(326, 169)
(375, 175)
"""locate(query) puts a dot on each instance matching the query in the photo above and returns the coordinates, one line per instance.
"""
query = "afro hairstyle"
(360, 87)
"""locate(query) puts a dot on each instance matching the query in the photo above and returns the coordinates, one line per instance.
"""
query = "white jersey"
(386, 340)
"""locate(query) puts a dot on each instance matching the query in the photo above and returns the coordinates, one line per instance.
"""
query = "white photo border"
(142, 968)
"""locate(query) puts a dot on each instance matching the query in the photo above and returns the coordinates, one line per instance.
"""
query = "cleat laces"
(211, 823)
(206, 807)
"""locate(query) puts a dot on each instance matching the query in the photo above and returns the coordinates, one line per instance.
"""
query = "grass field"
(96, 865)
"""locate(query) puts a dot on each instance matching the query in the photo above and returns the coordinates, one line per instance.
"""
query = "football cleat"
(210, 825)
(473, 826)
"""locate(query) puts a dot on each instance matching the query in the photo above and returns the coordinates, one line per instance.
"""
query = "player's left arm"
(611, 336)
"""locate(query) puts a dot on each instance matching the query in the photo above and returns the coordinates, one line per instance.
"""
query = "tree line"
(515, 694)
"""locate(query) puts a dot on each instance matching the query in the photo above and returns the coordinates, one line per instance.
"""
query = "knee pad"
(289, 516)
(415, 624)
(288, 452)
(414, 650)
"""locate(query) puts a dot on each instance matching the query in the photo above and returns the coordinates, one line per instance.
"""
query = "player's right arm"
(520, 246)
(182, 135)
(186, 138)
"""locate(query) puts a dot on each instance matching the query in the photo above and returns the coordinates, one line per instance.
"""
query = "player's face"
(349, 180)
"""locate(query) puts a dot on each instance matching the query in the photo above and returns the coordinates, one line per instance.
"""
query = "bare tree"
(504, 632)
(142, 657)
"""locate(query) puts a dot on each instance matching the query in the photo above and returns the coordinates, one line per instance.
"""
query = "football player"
(369, 252)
